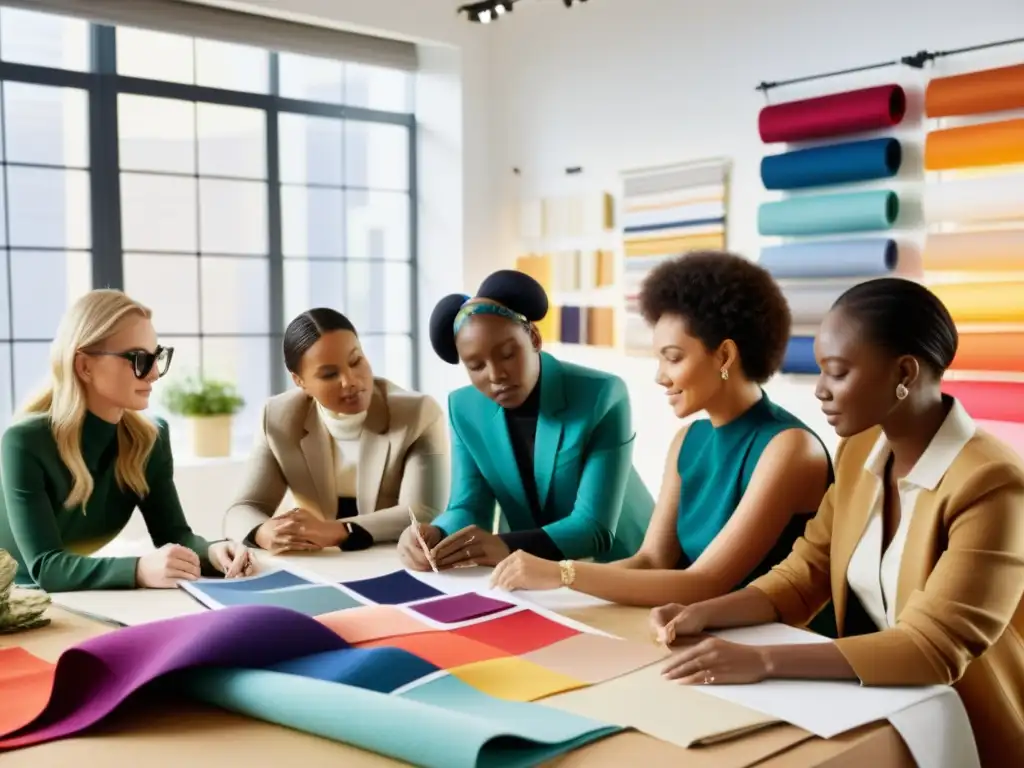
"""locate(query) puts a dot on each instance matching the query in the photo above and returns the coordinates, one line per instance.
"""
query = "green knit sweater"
(52, 544)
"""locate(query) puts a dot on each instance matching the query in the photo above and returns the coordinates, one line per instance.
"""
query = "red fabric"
(866, 109)
(989, 400)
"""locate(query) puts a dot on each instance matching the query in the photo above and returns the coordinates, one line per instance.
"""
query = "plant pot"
(211, 435)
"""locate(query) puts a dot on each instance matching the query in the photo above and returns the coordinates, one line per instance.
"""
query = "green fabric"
(39, 532)
(582, 462)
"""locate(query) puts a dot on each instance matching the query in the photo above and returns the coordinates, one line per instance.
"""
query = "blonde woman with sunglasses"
(83, 458)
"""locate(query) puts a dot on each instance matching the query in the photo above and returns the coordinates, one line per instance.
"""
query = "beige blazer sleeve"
(261, 491)
(969, 598)
(801, 585)
(426, 480)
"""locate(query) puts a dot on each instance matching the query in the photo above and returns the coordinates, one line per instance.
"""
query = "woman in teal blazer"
(548, 443)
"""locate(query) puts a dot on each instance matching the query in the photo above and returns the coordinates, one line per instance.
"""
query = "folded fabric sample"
(415, 727)
(458, 608)
(392, 588)
(25, 685)
(835, 164)
(829, 214)
(92, 678)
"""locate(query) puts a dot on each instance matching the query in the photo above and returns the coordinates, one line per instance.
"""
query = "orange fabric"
(996, 250)
(974, 146)
(25, 685)
(442, 649)
(990, 352)
(991, 90)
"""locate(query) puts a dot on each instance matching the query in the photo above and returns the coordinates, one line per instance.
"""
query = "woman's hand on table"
(670, 621)
(231, 558)
(411, 553)
(165, 567)
(709, 660)
(521, 570)
(470, 546)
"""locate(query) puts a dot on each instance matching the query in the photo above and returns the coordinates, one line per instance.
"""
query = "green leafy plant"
(196, 396)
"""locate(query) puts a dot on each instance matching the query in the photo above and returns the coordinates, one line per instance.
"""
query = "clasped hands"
(467, 547)
(703, 659)
(299, 530)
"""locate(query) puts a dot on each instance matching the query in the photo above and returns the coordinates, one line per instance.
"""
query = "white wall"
(618, 84)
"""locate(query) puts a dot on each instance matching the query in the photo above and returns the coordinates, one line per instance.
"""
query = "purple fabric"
(94, 677)
(452, 610)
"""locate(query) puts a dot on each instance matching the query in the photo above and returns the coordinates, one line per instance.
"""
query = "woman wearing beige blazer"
(919, 542)
(357, 452)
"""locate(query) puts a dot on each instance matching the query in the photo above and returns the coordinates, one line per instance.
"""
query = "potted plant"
(209, 406)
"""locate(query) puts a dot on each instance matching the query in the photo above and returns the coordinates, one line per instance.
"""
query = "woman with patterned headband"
(548, 443)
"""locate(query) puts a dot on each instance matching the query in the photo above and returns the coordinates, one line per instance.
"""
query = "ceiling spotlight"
(487, 10)
(568, 3)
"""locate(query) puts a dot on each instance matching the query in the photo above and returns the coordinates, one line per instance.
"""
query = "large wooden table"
(182, 733)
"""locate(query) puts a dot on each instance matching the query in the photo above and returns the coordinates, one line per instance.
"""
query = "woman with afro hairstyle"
(738, 486)
(547, 442)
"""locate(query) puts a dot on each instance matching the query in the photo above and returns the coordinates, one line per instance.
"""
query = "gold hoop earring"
(725, 374)
(902, 391)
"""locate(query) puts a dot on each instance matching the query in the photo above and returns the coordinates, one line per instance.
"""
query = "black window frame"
(103, 84)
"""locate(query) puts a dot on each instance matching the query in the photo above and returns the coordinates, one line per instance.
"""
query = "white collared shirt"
(872, 576)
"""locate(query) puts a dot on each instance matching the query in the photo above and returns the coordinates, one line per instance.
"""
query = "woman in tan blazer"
(919, 542)
(356, 452)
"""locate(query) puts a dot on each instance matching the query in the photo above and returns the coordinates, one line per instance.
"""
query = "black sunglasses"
(143, 361)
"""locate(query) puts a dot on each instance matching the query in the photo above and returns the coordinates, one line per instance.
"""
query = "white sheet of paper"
(938, 733)
(129, 607)
(826, 708)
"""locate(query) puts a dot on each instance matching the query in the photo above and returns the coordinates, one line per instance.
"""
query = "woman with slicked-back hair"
(357, 453)
(83, 458)
(547, 443)
(919, 542)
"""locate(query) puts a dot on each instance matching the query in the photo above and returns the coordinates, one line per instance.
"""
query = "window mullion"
(107, 255)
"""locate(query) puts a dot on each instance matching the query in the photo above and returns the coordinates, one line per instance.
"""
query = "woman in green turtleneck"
(80, 462)
(740, 485)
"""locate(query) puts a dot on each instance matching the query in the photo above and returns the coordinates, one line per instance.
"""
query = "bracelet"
(568, 569)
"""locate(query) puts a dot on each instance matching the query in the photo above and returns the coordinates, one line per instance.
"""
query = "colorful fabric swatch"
(270, 580)
(374, 669)
(393, 588)
(515, 679)
(26, 681)
(517, 633)
(667, 211)
(372, 622)
(312, 600)
(414, 727)
(443, 649)
(94, 677)
(595, 658)
(452, 610)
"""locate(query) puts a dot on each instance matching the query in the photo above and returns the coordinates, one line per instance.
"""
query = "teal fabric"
(441, 724)
(715, 465)
(582, 463)
(829, 214)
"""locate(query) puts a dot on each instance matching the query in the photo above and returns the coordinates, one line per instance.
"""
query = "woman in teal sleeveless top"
(738, 486)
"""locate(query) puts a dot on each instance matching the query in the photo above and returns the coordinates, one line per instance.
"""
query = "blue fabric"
(375, 669)
(800, 356)
(835, 164)
(583, 456)
(861, 258)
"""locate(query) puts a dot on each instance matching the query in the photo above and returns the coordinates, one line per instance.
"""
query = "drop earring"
(902, 391)
(725, 374)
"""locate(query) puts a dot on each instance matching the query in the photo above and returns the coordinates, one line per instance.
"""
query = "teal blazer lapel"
(549, 425)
